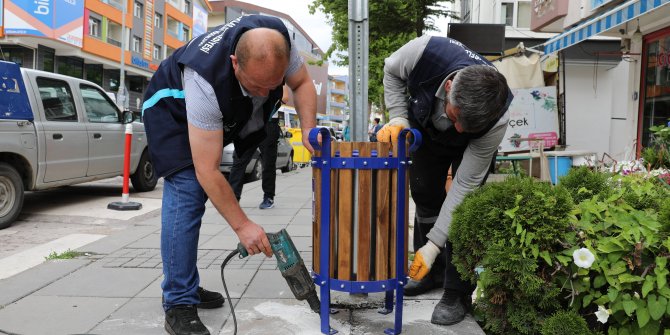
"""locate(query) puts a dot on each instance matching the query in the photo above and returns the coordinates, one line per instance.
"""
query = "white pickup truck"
(57, 130)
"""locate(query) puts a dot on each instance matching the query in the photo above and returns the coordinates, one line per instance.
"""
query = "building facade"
(337, 110)
(589, 73)
(83, 38)
(226, 10)
(639, 84)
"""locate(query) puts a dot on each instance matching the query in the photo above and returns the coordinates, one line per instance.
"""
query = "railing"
(113, 42)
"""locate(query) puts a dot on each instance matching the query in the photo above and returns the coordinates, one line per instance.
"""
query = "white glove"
(391, 130)
(423, 261)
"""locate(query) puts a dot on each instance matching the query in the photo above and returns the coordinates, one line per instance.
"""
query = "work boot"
(209, 299)
(267, 203)
(426, 284)
(450, 310)
(184, 320)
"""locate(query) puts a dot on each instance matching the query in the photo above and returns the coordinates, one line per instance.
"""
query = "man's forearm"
(221, 194)
(305, 104)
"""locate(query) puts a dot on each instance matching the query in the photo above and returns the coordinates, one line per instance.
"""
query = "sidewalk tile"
(48, 315)
(102, 282)
(119, 240)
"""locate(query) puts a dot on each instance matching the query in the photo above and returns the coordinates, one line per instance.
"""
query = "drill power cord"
(225, 288)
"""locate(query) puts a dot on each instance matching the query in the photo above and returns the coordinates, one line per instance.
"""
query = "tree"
(392, 23)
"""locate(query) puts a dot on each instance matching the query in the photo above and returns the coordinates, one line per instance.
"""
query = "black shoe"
(450, 310)
(426, 284)
(184, 320)
(209, 299)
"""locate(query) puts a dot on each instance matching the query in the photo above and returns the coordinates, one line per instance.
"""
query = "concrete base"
(124, 206)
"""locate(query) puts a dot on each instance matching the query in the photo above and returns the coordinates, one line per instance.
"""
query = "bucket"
(558, 166)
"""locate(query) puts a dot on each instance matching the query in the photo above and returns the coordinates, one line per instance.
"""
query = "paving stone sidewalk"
(115, 287)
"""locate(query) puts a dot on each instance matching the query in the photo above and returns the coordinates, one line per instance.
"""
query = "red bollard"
(125, 204)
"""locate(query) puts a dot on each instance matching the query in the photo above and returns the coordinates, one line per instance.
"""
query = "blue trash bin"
(558, 166)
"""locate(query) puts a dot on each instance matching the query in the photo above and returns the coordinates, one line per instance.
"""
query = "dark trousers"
(268, 149)
(428, 177)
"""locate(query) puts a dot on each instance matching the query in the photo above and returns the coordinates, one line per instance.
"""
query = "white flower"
(636, 295)
(603, 314)
(583, 258)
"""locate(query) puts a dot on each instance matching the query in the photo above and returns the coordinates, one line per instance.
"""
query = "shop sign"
(38, 18)
(137, 61)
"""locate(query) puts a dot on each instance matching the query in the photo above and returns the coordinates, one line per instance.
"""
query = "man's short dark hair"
(480, 93)
(378, 120)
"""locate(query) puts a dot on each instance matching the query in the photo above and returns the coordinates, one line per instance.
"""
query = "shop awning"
(623, 13)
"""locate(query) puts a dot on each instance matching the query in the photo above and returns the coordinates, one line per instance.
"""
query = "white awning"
(623, 13)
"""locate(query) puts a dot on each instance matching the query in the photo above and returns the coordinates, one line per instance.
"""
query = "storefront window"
(656, 86)
(94, 73)
(71, 66)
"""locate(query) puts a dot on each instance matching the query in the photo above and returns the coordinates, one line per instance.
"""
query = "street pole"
(358, 68)
(122, 94)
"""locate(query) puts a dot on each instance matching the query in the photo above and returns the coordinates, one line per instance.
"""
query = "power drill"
(291, 267)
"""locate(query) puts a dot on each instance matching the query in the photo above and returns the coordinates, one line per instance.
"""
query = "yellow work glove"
(423, 261)
(390, 131)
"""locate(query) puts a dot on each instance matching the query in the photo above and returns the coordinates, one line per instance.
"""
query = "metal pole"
(122, 94)
(358, 68)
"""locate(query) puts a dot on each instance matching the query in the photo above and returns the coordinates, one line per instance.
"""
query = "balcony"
(335, 90)
(338, 104)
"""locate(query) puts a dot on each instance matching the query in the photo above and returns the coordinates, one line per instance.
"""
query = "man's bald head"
(262, 44)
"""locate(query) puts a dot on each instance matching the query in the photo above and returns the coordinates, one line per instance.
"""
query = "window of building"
(174, 3)
(158, 52)
(116, 3)
(114, 34)
(187, 7)
(515, 13)
(93, 73)
(138, 10)
(172, 26)
(57, 100)
(46, 58)
(168, 52)
(655, 97)
(137, 44)
(136, 84)
(94, 25)
(158, 20)
(19, 55)
(70, 66)
(185, 33)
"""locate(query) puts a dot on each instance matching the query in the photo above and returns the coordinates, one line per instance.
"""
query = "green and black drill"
(291, 266)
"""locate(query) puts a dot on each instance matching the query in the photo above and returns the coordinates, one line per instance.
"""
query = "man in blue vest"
(219, 88)
(458, 101)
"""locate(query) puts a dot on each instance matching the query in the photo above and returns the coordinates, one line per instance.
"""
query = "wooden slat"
(382, 208)
(394, 218)
(344, 217)
(364, 211)
(316, 215)
(405, 259)
(333, 214)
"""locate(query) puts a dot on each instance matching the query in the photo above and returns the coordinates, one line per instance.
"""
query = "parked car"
(57, 130)
(254, 170)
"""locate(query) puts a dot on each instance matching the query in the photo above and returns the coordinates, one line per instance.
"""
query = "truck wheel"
(11, 195)
(144, 179)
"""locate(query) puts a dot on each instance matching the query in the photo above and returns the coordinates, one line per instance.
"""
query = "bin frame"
(327, 163)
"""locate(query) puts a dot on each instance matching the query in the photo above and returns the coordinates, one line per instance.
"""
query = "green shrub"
(582, 183)
(564, 323)
(629, 275)
(510, 229)
(642, 193)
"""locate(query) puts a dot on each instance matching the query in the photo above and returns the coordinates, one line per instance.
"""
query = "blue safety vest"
(441, 57)
(164, 108)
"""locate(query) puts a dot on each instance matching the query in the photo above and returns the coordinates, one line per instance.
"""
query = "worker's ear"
(447, 85)
(235, 64)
